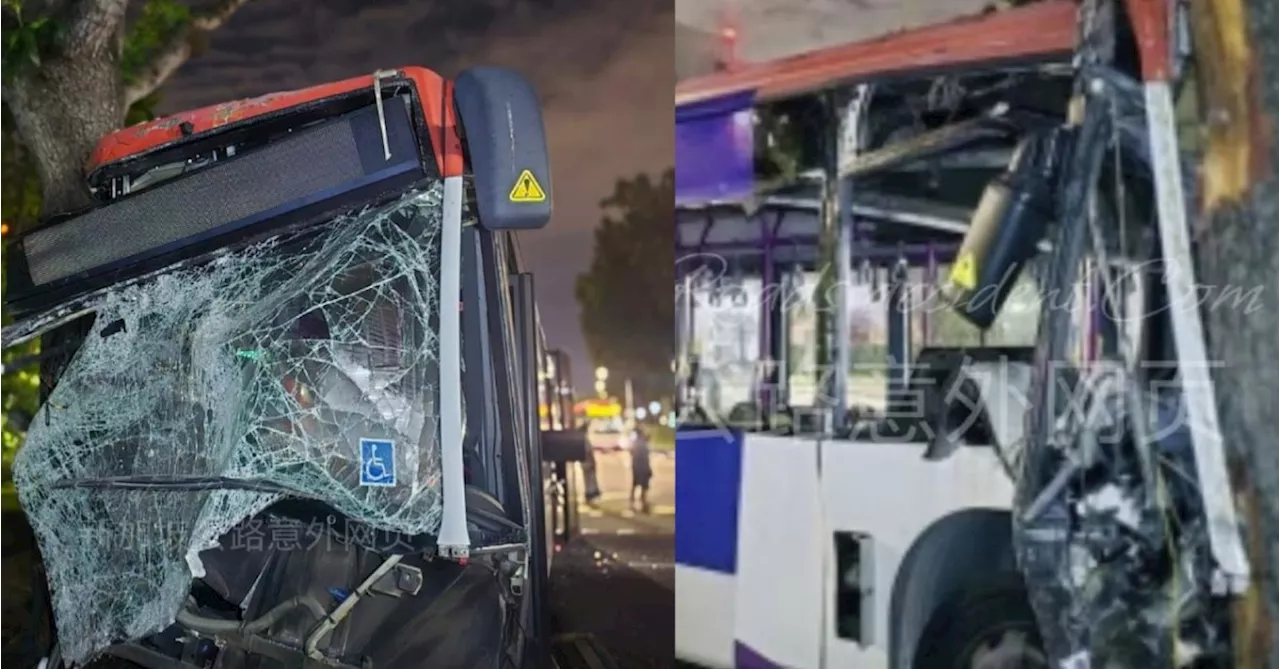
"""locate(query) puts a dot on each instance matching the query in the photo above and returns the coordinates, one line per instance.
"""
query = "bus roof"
(1040, 32)
(145, 137)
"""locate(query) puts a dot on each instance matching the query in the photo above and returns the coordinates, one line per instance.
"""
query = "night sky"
(604, 68)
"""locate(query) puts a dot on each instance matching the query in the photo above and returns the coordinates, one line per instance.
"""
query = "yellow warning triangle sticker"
(965, 272)
(527, 189)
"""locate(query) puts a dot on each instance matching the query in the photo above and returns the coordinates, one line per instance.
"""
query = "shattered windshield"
(295, 367)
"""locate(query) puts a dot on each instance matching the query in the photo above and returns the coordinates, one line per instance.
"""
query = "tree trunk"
(61, 110)
(1235, 44)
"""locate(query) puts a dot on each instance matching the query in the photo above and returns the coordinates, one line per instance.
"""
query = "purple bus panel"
(715, 150)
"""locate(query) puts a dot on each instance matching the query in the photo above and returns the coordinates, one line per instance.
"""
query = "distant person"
(592, 492)
(641, 470)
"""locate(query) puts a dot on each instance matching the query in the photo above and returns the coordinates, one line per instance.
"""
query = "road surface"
(617, 580)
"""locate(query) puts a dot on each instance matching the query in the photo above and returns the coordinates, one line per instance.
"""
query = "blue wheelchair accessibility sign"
(377, 462)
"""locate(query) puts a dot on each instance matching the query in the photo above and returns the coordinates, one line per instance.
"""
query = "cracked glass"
(304, 365)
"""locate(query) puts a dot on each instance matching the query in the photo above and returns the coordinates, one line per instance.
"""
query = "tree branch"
(163, 64)
(213, 17)
(178, 49)
(93, 25)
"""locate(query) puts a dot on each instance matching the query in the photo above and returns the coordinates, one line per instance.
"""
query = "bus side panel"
(888, 492)
(708, 490)
(768, 599)
(781, 573)
(704, 617)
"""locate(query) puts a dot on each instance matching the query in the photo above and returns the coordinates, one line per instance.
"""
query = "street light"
(602, 375)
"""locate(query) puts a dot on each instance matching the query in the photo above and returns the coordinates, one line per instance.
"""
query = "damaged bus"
(291, 365)
(1049, 492)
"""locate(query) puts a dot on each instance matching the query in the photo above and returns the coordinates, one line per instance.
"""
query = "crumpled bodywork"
(303, 365)
(456, 619)
(1109, 530)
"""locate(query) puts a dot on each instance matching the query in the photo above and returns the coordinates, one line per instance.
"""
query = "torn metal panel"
(1114, 505)
(303, 366)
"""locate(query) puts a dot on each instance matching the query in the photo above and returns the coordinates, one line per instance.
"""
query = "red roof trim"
(1036, 31)
(436, 95)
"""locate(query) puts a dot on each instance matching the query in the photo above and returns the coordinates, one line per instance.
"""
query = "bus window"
(869, 343)
(726, 338)
(802, 327)
(1015, 326)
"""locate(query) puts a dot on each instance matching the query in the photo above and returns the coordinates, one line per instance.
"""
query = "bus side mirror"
(564, 445)
(505, 142)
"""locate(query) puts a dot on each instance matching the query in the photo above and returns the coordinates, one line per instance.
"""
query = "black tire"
(976, 618)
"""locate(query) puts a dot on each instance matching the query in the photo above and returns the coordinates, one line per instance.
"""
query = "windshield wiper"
(179, 483)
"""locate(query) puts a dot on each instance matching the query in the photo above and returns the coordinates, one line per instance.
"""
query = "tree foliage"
(26, 40)
(627, 311)
(789, 139)
(158, 21)
(20, 207)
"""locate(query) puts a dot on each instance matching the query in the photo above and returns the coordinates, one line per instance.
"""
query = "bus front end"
(253, 445)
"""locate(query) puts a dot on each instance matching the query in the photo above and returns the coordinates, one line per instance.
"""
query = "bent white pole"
(1188, 336)
(453, 540)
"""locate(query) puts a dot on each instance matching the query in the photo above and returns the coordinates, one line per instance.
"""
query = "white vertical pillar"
(453, 541)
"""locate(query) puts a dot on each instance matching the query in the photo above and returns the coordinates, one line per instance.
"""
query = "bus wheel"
(986, 626)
